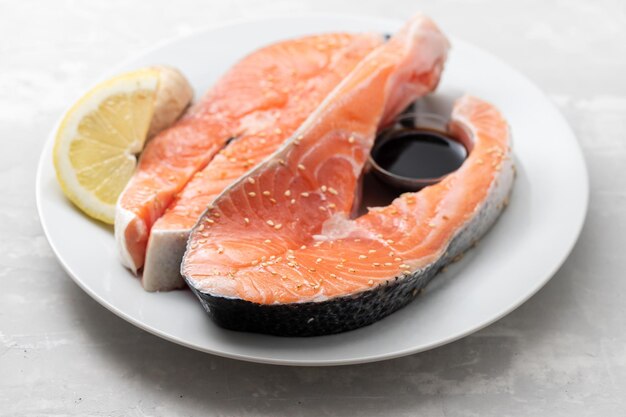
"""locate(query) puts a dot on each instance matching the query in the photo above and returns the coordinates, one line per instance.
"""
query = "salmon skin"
(277, 251)
(302, 73)
(258, 91)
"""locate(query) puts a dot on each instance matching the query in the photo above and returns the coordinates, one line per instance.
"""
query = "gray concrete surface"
(563, 353)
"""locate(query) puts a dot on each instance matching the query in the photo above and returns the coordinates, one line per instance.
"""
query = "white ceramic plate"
(518, 256)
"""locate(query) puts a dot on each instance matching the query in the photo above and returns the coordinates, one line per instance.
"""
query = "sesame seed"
(201, 228)
(333, 275)
(216, 214)
(220, 250)
(246, 220)
(351, 270)
(303, 247)
(372, 251)
(318, 260)
(271, 223)
(272, 200)
(311, 269)
(398, 259)
(332, 191)
(251, 180)
(273, 272)
(252, 194)
(390, 241)
(254, 262)
(351, 139)
(388, 264)
(281, 162)
(331, 205)
(293, 201)
(324, 188)
(406, 272)
(370, 282)
(322, 208)
(362, 257)
(291, 257)
(301, 167)
(376, 263)
(432, 224)
(404, 266)
(278, 226)
(267, 241)
(266, 193)
(210, 221)
(305, 194)
(287, 193)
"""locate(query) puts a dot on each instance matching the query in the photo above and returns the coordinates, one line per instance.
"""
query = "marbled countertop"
(563, 353)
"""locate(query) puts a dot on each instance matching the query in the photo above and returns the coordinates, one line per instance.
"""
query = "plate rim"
(557, 264)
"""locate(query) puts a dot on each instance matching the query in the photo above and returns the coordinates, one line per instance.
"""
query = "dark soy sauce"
(419, 153)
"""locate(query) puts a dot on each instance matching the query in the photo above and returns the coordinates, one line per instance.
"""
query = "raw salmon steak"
(278, 253)
(259, 91)
(300, 75)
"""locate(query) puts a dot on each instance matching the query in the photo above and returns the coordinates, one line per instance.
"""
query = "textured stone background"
(561, 354)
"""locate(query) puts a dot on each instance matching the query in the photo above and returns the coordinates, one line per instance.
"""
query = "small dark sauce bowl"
(420, 122)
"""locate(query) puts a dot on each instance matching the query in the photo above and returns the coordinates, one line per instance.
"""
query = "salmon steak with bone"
(278, 251)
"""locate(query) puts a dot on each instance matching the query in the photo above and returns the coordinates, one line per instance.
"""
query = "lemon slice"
(97, 142)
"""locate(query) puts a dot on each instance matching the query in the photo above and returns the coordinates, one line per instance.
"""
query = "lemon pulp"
(98, 139)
